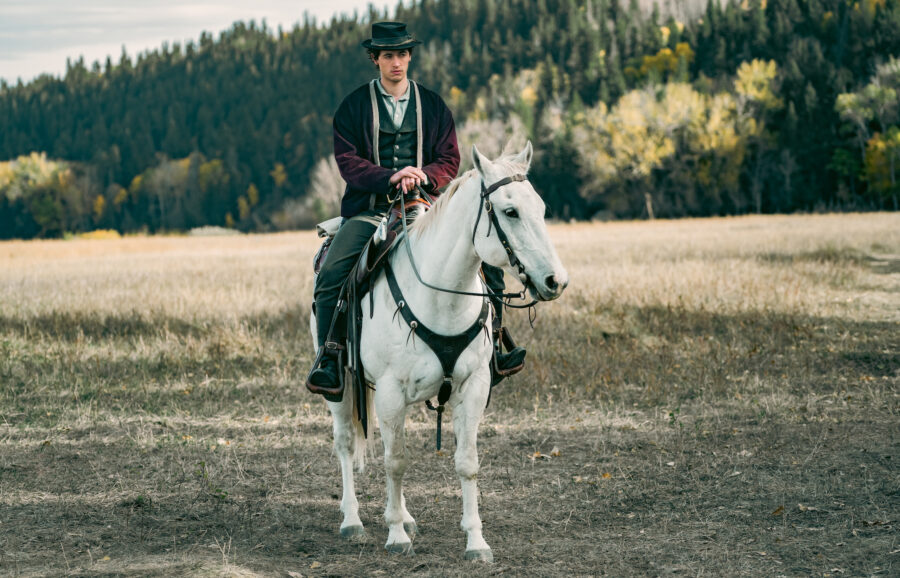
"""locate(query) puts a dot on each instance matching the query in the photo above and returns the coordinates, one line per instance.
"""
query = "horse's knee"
(467, 466)
(394, 464)
(343, 440)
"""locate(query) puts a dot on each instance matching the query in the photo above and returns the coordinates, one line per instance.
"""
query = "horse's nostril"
(550, 281)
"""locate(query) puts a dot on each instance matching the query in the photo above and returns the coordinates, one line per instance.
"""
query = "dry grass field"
(710, 398)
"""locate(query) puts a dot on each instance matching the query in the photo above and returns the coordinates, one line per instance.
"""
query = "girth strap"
(448, 348)
(443, 396)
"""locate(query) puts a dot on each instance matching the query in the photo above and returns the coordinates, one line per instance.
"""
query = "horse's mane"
(425, 222)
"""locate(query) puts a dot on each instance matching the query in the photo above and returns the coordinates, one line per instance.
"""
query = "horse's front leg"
(342, 415)
(390, 403)
(466, 417)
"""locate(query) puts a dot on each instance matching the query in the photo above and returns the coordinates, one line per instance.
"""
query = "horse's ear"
(524, 157)
(480, 161)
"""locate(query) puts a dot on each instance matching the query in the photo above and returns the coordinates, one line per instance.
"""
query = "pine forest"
(635, 111)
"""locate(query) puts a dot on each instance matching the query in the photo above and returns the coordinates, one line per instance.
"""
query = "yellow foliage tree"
(99, 206)
(672, 125)
(665, 63)
(457, 100)
(754, 86)
(877, 104)
(121, 195)
(252, 196)
(243, 208)
(754, 90)
(882, 160)
(279, 175)
(211, 173)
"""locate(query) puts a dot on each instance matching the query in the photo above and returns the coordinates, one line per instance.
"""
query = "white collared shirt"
(396, 107)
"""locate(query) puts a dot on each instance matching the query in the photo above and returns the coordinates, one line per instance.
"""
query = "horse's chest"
(413, 364)
(412, 355)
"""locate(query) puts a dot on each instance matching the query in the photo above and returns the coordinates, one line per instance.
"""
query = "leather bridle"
(449, 348)
(488, 206)
(485, 206)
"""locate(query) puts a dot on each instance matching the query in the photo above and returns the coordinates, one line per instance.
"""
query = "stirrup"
(335, 352)
(503, 340)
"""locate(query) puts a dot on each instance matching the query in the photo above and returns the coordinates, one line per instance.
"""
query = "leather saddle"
(379, 246)
(326, 230)
(386, 238)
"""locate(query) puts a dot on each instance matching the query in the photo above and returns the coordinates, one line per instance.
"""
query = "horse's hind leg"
(391, 407)
(466, 417)
(342, 414)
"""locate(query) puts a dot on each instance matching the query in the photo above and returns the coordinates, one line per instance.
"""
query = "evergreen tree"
(252, 100)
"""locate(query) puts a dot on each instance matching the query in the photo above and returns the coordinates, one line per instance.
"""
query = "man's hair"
(376, 52)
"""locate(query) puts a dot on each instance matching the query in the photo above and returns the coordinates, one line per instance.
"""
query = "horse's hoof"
(410, 528)
(353, 532)
(481, 555)
(400, 549)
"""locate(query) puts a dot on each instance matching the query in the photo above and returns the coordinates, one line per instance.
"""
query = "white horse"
(405, 371)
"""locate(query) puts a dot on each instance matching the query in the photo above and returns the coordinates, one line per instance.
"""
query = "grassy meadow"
(713, 397)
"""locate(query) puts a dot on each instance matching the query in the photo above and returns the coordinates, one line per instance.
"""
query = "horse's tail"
(361, 444)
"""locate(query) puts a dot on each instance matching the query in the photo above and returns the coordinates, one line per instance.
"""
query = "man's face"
(393, 64)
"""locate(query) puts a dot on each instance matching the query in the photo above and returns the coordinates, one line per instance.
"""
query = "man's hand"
(408, 178)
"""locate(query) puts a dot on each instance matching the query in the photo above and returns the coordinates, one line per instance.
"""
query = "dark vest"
(397, 147)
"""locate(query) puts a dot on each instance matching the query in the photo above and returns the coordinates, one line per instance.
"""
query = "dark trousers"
(493, 277)
(345, 249)
(348, 243)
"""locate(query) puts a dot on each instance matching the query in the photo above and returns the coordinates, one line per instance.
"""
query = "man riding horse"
(390, 135)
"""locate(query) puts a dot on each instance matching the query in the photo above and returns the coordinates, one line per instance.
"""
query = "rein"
(448, 349)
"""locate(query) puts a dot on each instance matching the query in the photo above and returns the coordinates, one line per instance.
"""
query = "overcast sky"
(36, 36)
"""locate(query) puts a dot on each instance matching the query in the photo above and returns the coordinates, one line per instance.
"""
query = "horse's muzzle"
(550, 287)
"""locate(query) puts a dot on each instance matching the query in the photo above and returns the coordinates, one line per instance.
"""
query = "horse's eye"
(511, 213)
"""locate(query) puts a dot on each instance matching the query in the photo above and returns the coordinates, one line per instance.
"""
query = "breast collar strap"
(488, 206)
(448, 348)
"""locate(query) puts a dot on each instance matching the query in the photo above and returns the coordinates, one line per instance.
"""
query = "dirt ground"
(746, 427)
(627, 494)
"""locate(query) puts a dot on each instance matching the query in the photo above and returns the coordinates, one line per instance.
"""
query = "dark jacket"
(356, 159)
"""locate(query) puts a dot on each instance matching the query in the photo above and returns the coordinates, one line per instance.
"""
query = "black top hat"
(390, 36)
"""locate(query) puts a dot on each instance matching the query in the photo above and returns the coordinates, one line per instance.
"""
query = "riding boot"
(505, 364)
(325, 379)
(326, 376)
(511, 362)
